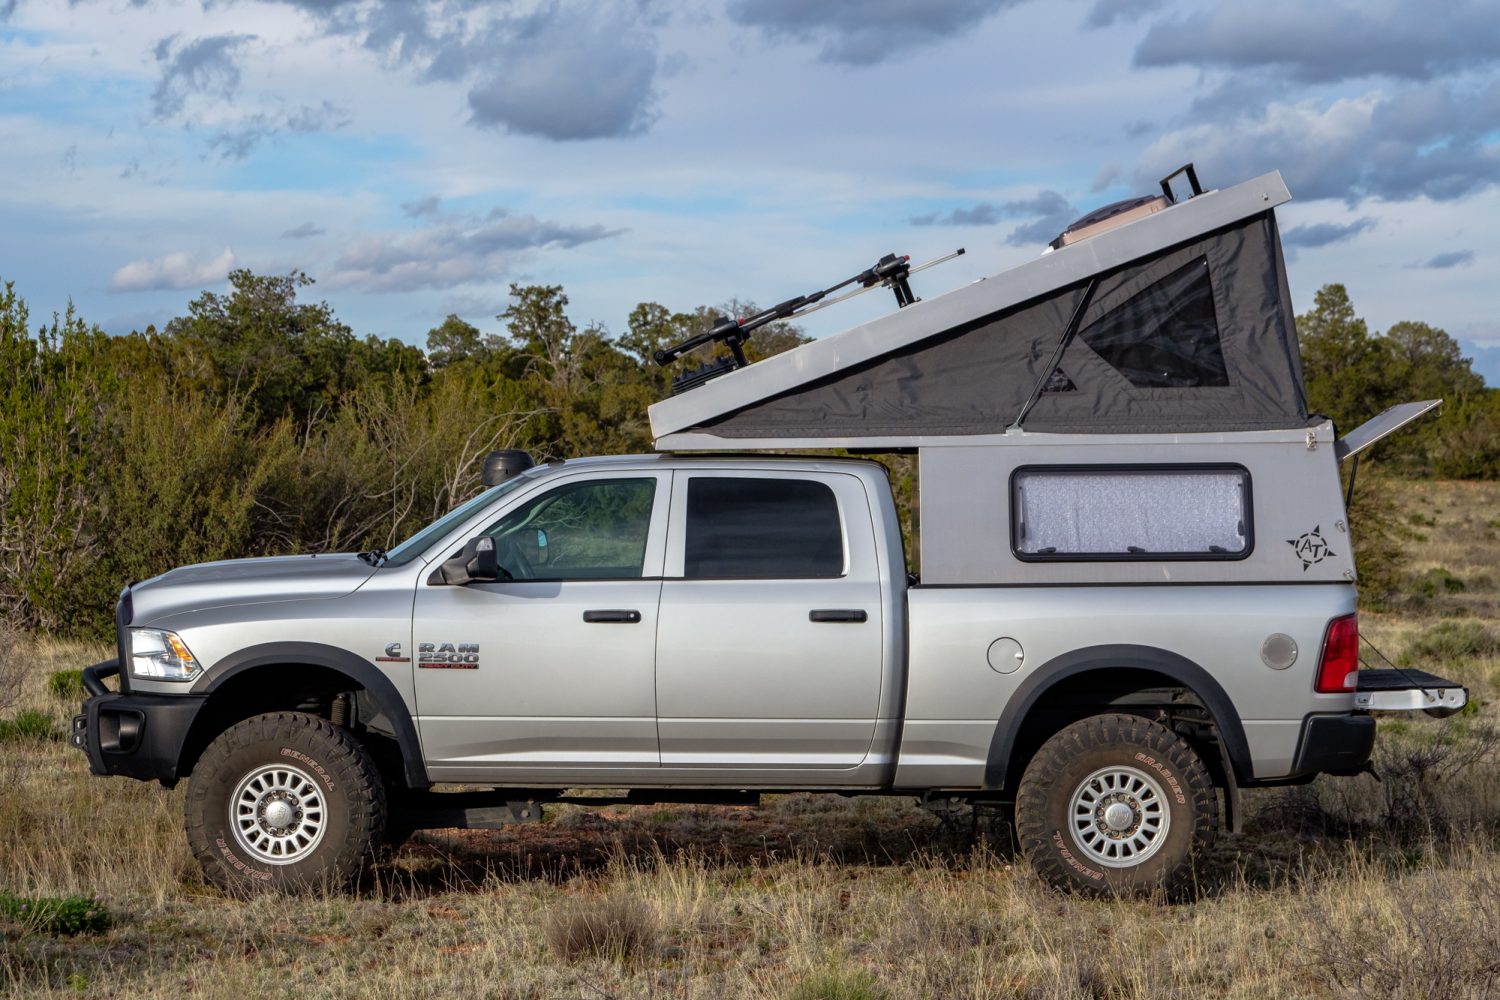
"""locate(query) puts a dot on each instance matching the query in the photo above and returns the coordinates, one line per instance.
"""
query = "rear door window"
(747, 528)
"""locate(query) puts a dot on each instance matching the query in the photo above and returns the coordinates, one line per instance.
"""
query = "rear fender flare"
(1057, 670)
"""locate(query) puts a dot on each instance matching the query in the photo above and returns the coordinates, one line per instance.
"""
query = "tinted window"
(762, 529)
(586, 531)
(1147, 512)
(1165, 336)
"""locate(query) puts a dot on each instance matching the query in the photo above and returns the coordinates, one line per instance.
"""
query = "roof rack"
(890, 271)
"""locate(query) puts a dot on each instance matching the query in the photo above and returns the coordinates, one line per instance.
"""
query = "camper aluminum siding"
(1294, 532)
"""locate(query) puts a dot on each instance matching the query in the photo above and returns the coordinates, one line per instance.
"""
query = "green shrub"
(1434, 582)
(1451, 640)
(840, 984)
(27, 725)
(66, 685)
(68, 915)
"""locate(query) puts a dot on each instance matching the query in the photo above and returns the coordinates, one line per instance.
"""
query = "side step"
(1408, 690)
(491, 810)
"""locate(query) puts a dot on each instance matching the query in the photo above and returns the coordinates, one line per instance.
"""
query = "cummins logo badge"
(393, 654)
(1310, 547)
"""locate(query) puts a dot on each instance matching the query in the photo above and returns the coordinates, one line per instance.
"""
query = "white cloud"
(1428, 142)
(175, 270)
(454, 251)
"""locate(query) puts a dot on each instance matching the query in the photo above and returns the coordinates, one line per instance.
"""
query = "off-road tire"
(279, 765)
(1105, 759)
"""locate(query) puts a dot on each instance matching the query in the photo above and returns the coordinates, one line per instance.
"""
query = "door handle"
(612, 616)
(852, 615)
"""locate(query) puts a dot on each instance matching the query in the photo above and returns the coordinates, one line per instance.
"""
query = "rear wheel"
(284, 801)
(1115, 804)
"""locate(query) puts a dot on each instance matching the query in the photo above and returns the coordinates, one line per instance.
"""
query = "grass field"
(1348, 887)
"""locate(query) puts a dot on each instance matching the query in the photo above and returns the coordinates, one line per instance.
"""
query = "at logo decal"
(1310, 547)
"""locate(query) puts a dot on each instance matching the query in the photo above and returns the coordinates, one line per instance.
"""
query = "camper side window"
(1167, 335)
(1143, 512)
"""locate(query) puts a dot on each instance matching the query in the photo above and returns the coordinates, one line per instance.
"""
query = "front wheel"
(1115, 804)
(284, 801)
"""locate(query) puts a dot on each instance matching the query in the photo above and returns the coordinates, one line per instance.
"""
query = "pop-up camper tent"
(1176, 322)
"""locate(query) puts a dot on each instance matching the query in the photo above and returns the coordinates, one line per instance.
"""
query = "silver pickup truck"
(1131, 606)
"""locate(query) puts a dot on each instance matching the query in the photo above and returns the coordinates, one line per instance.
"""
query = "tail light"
(1338, 668)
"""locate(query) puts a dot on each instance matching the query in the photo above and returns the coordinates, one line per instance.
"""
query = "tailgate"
(1407, 690)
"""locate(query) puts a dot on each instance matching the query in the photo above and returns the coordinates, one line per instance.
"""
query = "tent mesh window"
(1122, 513)
(1166, 336)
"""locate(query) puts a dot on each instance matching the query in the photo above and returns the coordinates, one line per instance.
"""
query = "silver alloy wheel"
(278, 814)
(1118, 816)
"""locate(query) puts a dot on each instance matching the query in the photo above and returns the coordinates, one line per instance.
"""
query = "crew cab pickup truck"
(685, 626)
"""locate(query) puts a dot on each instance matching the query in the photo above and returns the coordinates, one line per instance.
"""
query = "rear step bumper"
(1408, 691)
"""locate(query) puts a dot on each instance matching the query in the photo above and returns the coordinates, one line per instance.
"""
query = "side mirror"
(475, 564)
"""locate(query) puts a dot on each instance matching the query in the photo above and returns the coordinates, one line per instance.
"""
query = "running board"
(501, 807)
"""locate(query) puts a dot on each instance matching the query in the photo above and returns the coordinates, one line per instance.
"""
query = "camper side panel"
(1135, 511)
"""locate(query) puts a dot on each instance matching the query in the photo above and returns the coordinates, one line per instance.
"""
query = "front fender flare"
(360, 671)
(1173, 665)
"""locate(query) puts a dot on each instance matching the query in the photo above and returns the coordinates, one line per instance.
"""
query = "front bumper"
(133, 735)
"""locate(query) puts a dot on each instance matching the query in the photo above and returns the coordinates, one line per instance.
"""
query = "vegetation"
(29, 725)
(65, 915)
(1352, 375)
(66, 685)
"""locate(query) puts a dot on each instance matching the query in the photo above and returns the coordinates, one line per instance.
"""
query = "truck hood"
(247, 581)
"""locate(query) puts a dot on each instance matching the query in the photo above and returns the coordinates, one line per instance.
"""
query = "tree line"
(259, 423)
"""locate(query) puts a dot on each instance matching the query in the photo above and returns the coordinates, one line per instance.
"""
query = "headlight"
(159, 655)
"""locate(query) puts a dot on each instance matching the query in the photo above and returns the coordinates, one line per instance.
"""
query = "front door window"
(587, 531)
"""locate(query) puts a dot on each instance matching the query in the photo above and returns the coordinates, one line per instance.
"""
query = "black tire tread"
(1101, 732)
(366, 794)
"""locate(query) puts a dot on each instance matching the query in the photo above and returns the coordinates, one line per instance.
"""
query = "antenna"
(890, 271)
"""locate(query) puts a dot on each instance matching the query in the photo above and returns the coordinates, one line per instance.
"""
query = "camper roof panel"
(1053, 272)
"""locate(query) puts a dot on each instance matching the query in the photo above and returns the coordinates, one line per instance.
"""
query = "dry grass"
(1348, 887)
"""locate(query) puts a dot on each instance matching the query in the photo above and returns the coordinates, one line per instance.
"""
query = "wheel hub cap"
(278, 814)
(1118, 816)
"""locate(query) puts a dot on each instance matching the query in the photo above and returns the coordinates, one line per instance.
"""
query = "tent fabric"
(1201, 337)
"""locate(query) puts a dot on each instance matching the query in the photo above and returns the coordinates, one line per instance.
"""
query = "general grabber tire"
(1115, 805)
(286, 802)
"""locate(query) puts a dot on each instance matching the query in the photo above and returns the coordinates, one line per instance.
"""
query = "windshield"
(422, 540)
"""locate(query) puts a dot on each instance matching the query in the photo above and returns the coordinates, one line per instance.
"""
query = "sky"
(416, 158)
